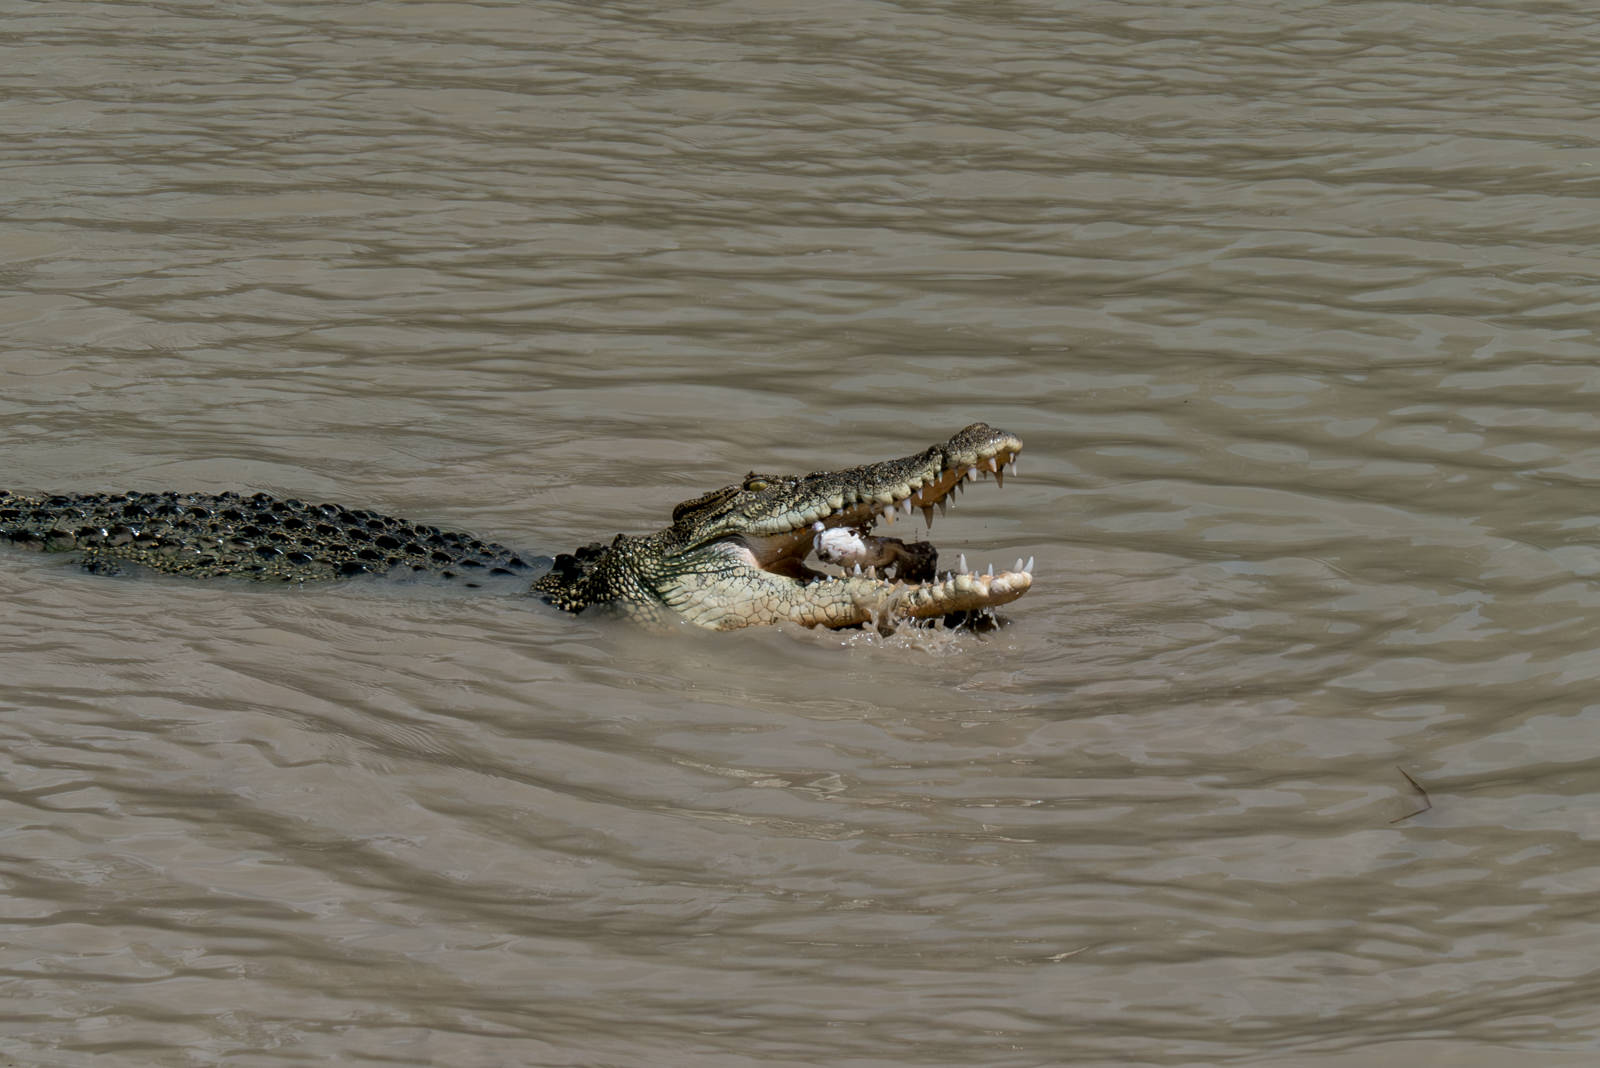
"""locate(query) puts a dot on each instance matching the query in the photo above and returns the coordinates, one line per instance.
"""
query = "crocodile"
(735, 557)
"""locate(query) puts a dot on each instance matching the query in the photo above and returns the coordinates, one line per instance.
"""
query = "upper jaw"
(853, 502)
(861, 496)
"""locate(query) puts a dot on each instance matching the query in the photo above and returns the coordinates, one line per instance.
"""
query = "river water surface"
(1292, 304)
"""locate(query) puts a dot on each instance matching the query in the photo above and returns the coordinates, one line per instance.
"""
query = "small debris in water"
(1427, 802)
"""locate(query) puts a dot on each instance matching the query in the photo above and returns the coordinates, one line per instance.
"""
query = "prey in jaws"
(857, 553)
(742, 555)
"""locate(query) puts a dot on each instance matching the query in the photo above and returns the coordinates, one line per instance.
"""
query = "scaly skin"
(736, 557)
(204, 535)
(732, 558)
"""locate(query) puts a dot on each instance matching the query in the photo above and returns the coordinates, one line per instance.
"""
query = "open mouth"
(844, 545)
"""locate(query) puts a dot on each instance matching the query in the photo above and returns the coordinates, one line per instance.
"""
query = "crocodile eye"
(755, 483)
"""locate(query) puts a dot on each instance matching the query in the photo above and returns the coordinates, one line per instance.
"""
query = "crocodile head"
(801, 548)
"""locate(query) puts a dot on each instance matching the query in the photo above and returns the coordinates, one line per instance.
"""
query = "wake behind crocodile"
(767, 550)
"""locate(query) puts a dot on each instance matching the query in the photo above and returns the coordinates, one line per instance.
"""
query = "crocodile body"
(735, 557)
(201, 535)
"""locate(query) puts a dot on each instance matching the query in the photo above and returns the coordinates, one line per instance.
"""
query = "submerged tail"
(202, 535)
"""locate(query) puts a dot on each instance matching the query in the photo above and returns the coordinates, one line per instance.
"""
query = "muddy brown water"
(1293, 306)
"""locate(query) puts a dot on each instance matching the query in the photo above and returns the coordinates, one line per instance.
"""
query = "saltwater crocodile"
(735, 557)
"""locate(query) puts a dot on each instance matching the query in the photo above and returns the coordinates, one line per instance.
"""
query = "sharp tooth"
(1013, 466)
(927, 516)
(1019, 564)
(961, 563)
(972, 472)
(858, 568)
(888, 516)
(944, 506)
(905, 506)
(991, 569)
(999, 479)
(872, 572)
(1029, 568)
(991, 464)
